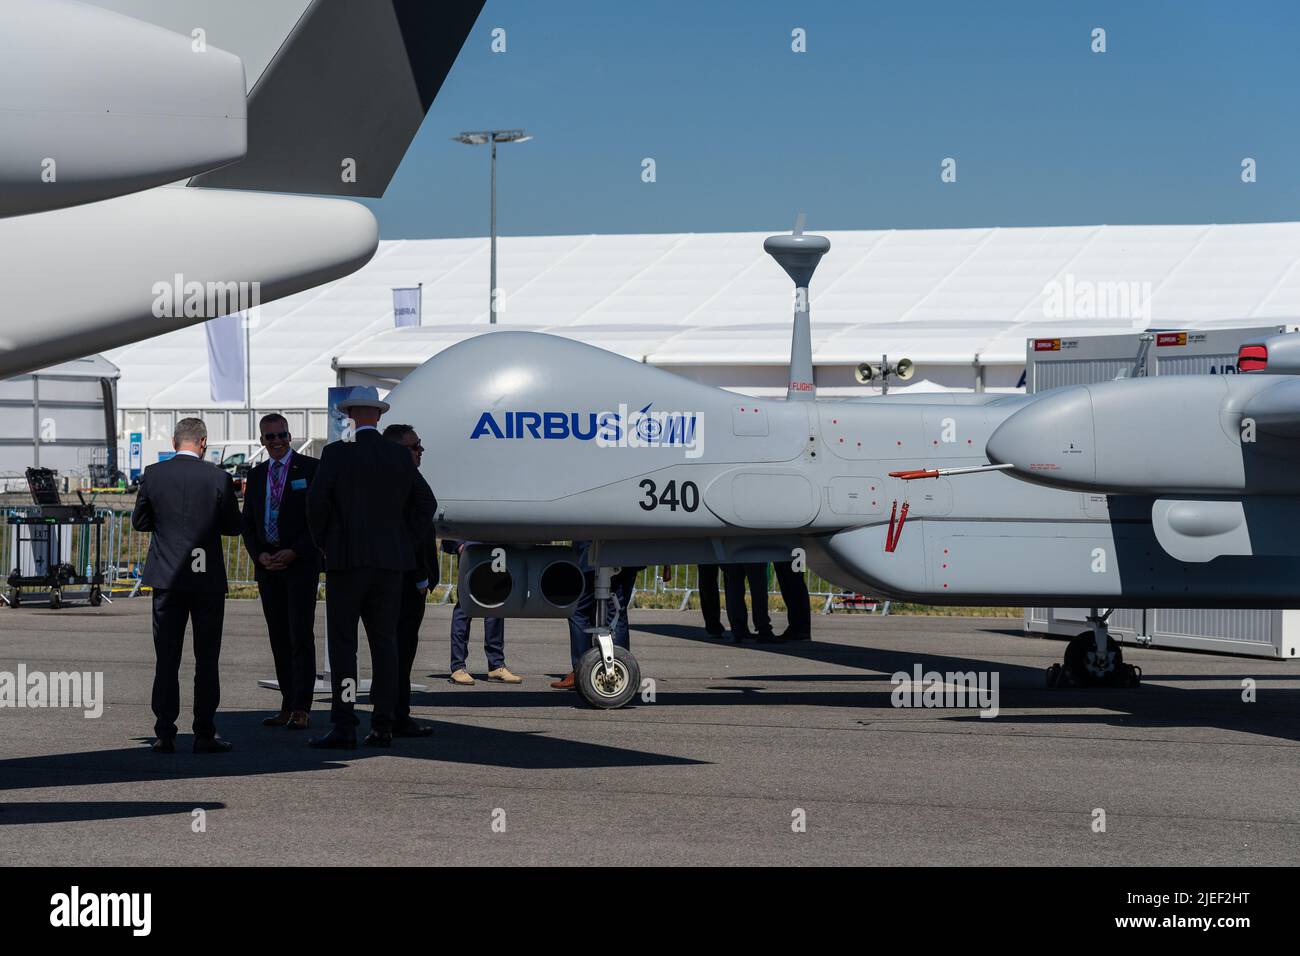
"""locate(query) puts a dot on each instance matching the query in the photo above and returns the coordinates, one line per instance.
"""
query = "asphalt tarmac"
(752, 754)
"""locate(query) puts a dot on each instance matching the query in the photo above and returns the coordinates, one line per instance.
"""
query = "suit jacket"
(188, 504)
(426, 557)
(294, 533)
(368, 506)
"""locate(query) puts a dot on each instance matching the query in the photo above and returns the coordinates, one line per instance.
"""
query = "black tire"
(15, 597)
(1085, 670)
(600, 693)
(56, 599)
(96, 597)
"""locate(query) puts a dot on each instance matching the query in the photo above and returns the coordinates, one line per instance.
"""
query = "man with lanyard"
(286, 564)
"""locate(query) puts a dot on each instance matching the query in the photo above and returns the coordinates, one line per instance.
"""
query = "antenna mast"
(798, 254)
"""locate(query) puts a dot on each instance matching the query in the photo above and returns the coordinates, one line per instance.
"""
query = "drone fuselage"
(536, 438)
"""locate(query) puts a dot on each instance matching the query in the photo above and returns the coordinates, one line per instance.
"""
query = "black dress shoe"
(212, 745)
(409, 728)
(164, 745)
(335, 740)
(789, 635)
(768, 637)
(743, 636)
(714, 631)
(379, 738)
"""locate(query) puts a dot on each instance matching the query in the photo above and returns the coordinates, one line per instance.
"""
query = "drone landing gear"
(607, 676)
(1093, 659)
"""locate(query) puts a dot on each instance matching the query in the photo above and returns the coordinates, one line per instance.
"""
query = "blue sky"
(745, 133)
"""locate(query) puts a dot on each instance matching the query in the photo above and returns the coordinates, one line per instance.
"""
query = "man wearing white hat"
(367, 507)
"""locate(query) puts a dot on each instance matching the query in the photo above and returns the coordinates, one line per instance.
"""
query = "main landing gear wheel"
(607, 689)
(1085, 667)
(56, 599)
(96, 597)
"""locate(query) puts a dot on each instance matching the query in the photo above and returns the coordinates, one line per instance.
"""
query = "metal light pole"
(478, 138)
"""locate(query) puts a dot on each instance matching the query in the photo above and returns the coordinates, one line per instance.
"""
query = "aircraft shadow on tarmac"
(1275, 713)
(261, 750)
(12, 814)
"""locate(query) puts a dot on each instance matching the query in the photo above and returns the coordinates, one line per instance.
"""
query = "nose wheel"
(607, 676)
(610, 684)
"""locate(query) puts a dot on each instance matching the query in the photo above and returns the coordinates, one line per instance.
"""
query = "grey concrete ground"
(736, 740)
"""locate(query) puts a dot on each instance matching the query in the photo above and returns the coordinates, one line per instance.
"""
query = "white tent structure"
(959, 302)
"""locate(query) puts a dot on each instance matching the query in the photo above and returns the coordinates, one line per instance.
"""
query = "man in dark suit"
(367, 508)
(416, 586)
(710, 606)
(798, 606)
(188, 504)
(734, 577)
(286, 564)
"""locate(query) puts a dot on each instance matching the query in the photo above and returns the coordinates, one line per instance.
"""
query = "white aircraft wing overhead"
(102, 104)
(93, 277)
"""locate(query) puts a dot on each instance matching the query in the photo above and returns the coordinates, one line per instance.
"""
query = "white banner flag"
(406, 306)
(226, 357)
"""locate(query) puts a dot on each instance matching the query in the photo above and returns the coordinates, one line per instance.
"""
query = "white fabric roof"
(938, 296)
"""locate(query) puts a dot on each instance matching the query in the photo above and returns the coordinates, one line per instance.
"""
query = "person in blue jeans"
(494, 639)
(623, 585)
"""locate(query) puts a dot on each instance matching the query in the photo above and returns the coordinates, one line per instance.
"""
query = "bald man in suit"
(187, 503)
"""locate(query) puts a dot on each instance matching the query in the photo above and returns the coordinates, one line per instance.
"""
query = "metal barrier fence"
(124, 550)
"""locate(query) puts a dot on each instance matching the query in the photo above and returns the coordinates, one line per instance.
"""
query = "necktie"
(277, 489)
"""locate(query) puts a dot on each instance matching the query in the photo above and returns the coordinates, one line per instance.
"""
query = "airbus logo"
(643, 428)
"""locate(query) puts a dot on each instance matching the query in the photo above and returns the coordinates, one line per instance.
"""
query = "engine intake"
(503, 581)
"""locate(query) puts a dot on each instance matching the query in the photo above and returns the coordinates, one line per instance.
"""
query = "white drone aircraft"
(1178, 491)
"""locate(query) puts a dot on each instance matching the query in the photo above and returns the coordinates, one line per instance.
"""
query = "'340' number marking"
(688, 499)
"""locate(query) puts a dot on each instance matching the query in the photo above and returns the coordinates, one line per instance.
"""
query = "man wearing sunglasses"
(287, 565)
(416, 586)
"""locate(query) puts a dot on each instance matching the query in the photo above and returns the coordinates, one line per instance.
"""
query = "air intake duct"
(506, 581)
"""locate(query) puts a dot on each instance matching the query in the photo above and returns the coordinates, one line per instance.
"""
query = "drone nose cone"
(1050, 440)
